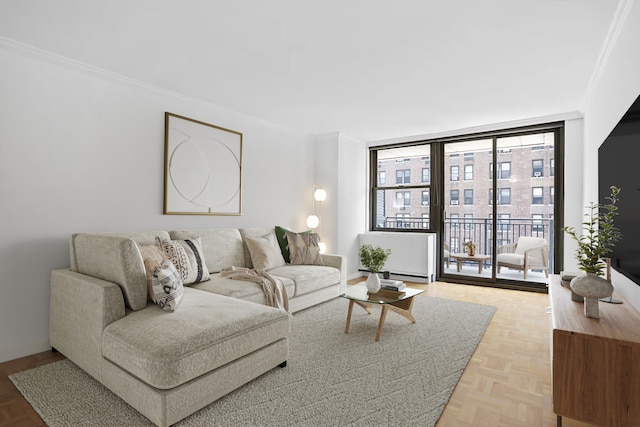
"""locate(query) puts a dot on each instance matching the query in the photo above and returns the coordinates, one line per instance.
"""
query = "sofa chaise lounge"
(220, 336)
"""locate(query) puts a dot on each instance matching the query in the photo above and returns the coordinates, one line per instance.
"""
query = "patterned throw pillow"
(153, 257)
(265, 252)
(282, 241)
(187, 257)
(304, 248)
(167, 286)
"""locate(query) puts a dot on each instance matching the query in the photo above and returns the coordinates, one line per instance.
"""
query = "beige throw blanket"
(272, 287)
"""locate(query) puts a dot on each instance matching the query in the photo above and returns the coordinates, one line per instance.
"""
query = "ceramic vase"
(373, 283)
(592, 287)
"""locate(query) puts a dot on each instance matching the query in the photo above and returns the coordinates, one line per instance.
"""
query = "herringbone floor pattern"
(507, 382)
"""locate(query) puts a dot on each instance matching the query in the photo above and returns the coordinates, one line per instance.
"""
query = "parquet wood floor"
(506, 383)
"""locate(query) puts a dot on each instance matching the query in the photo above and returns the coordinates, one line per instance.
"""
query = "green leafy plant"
(469, 244)
(600, 234)
(373, 257)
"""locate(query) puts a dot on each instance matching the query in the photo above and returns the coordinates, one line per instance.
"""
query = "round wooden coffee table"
(479, 258)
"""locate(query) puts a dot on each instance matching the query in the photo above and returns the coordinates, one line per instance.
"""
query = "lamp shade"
(313, 221)
(320, 195)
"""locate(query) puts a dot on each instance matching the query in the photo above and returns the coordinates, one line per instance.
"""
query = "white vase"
(592, 287)
(373, 283)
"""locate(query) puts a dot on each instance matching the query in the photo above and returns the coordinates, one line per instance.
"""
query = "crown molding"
(617, 24)
(60, 60)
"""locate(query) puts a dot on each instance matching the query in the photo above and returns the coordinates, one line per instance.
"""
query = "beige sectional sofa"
(168, 365)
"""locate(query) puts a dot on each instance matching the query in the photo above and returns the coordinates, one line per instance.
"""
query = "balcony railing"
(479, 230)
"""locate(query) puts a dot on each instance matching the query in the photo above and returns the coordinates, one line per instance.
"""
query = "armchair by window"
(528, 253)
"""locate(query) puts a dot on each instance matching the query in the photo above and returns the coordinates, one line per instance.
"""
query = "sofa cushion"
(241, 289)
(510, 258)
(114, 259)
(265, 252)
(187, 257)
(206, 332)
(167, 286)
(308, 278)
(222, 247)
(304, 248)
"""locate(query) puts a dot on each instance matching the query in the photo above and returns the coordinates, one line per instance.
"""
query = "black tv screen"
(619, 165)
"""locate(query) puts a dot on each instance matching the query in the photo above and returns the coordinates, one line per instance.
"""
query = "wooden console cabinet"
(595, 363)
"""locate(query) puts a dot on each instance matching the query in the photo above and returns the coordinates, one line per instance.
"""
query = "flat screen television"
(619, 165)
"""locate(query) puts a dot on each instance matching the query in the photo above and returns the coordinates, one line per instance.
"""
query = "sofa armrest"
(81, 307)
(339, 262)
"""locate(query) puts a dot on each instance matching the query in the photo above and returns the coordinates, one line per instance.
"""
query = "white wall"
(341, 168)
(613, 91)
(82, 150)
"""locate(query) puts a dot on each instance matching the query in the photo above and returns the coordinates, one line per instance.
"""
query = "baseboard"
(27, 350)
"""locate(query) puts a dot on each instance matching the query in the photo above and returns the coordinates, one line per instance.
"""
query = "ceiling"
(373, 69)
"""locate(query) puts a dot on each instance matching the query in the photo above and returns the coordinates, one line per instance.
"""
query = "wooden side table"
(479, 258)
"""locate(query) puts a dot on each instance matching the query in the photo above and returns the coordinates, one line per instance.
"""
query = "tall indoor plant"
(373, 258)
(594, 244)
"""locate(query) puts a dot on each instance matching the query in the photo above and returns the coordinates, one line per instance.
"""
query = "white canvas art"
(203, 168)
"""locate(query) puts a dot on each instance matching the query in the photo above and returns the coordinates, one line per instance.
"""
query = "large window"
(398, 202)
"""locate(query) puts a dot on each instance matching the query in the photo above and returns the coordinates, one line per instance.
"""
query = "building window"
(403, 176)
(403, 220)
(537, 196)
(503, 222)
(403, 198)
(382, 178)
(455, 173)
(468, 157)
(537, 168)
(536, 223)
(468, 172)
(426, 175)
(468, 222)
(425, 220)
(468, 196)
(504, 170)
(552, 194)
(552, 167)
(504, 196)
(425, 198)
(455, 197)
(455, 221)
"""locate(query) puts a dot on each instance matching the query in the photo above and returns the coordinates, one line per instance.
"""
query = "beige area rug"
(332, 378)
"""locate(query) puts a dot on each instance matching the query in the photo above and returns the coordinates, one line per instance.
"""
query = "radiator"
(412, 254)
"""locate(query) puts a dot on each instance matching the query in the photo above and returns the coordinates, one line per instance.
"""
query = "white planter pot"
(373, 283)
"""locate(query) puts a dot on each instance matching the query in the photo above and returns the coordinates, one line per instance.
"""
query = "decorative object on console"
(470, 247)
(373, 258)
(600, 235)
(202, 168)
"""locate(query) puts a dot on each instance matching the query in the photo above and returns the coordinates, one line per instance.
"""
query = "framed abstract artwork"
(202, 168)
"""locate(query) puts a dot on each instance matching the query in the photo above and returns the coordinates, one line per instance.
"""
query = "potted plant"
(373, 258)
(470, 247)
(597, 240)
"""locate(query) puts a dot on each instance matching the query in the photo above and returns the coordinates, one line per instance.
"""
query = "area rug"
(331, 379)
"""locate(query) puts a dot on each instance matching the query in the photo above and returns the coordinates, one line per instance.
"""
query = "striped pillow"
(167, 286)
(188, 258)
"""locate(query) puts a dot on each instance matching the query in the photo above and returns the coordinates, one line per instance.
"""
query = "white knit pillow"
(167, 286)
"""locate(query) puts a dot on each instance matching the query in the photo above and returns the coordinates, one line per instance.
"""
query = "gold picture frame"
(202, 168)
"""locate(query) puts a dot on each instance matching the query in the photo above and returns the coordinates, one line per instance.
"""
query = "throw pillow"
(153, 257)
(187, 257)
(167, 286)
(304, 248)
(282, 242)
(265, 252)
